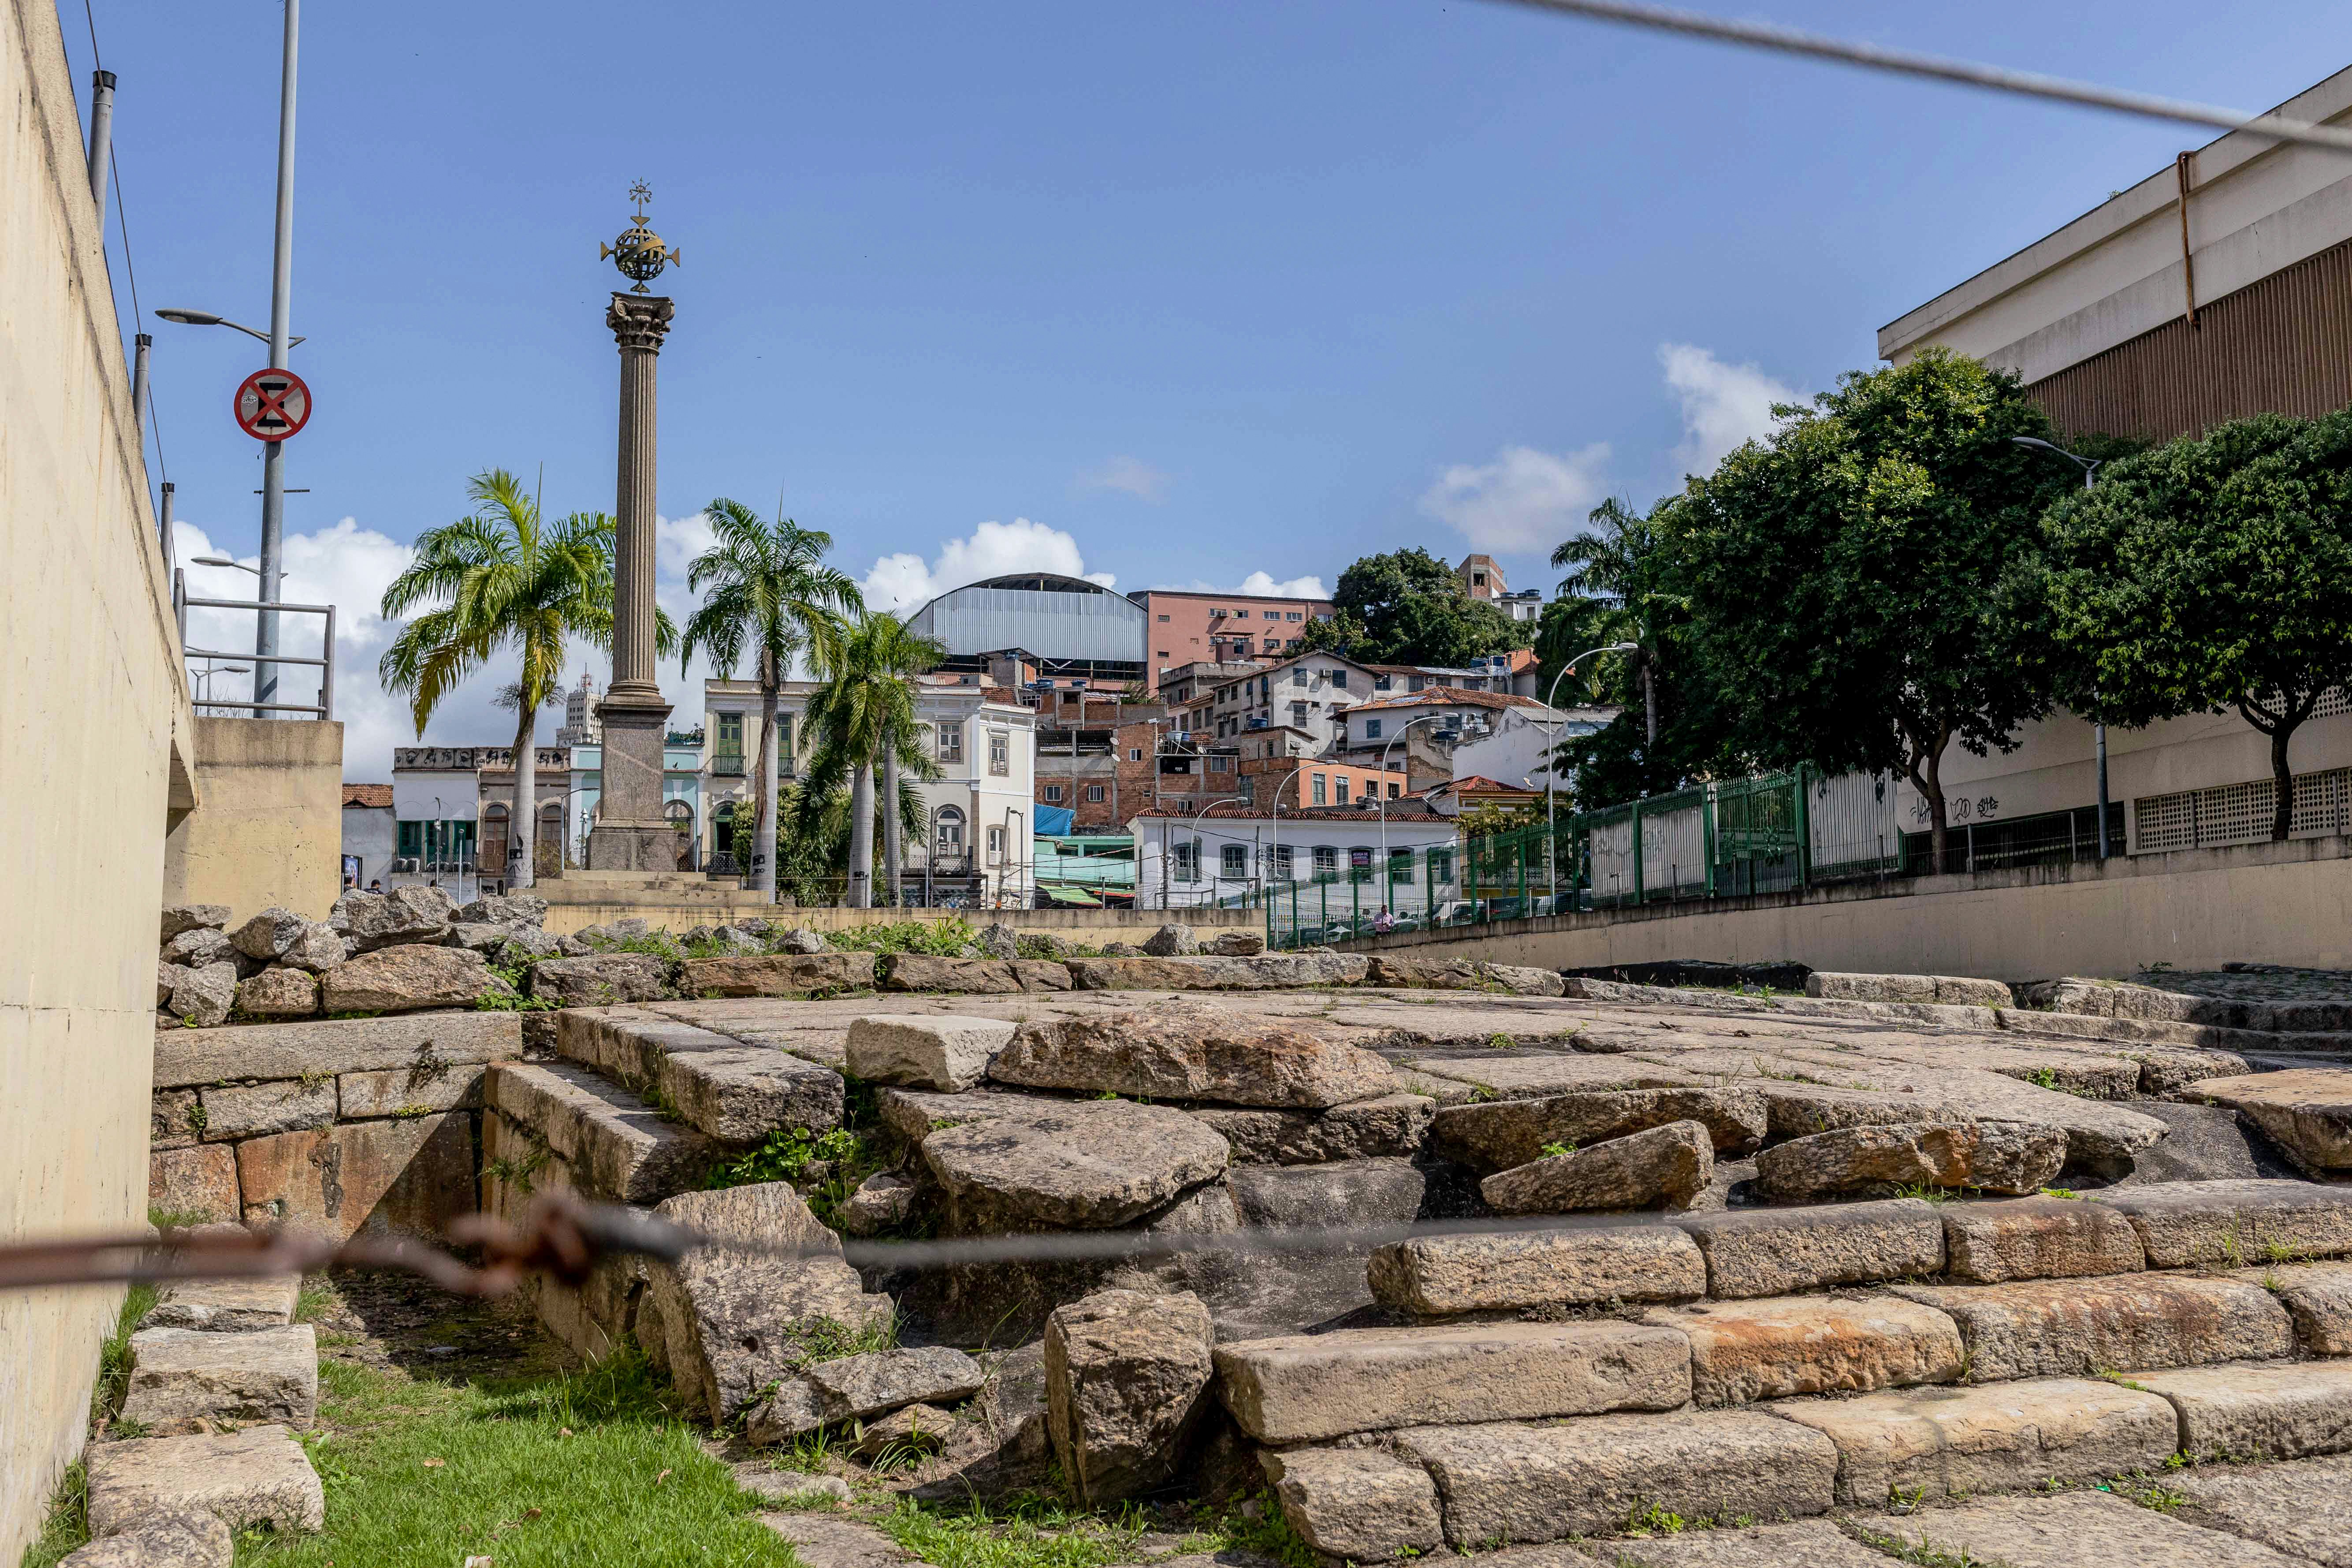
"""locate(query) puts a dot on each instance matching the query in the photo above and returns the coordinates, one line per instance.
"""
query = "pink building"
(1182, 627)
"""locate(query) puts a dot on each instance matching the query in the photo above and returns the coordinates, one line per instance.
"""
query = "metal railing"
(323, 709)
(727, 764)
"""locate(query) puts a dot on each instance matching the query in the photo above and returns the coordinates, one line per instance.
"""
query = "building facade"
(1237, 855)
(369, 833)
(1066, 627)
(1184, 627)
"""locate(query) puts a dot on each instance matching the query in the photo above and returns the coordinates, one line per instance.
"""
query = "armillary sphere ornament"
(639, 252)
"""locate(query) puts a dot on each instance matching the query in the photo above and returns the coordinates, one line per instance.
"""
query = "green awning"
(1070, 897)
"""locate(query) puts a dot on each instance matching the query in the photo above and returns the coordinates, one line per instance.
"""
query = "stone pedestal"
(630, 833)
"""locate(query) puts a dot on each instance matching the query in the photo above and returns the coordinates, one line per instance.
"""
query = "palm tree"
(1612, 567)
(500, 577)
(766, 589)
(863, 717)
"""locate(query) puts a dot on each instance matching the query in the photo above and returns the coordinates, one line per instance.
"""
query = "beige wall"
(569, 910)
(93, 717)
(271, 829)
(2273, 903)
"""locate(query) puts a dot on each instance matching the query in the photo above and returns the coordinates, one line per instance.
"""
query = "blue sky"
(1173, 294)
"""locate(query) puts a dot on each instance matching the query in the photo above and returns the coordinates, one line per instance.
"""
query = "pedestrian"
(1383, 922)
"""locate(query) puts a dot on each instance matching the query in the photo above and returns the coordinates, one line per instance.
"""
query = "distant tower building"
(580, 726)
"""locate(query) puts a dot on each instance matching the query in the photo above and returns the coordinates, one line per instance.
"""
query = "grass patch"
(1556, 1150)
(938, 939)
(1269, 1535)
(588, 1469)
(1030, 1534)
(66, 1528)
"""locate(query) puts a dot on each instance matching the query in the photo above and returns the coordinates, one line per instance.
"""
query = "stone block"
(2037, 1238)
(2244, 1412)
(603, 979)
(1307, 1388)
(410, 1091)
(1769, 1252)
(258, 1477)
(775, 975)
(1273, 971)
(1949, 1442)
(2072, 1328)
(174, 1119)
(1837, 987)
(167, 1538)
(187, 1379)
(2302, 1508)
(1504, 1482)
(1992, 1156)
(252, 1110)
(2236, 1223)
(1069, 1166)
(855, 1387)
(1357, 1504)
(2079, 1529)
(735, 1092)
(407, 979)
(1437, 1276)
(227, 1306)
(187, 1058)
(966, 976)
(1126, 1387)
(1496, 1135)
(1190, 1050)
(1772, 1348)
(1386, 1124)
(202, 997)
(1956, 991)
(1661, 1167)
(200, 1183)
(617, 1147)
(278, 993)
(178, 918)
(2306, 1112)
(410, 1177)
(2318, 1297)
(1801, 1543)
(934, 1051)
(405, 916)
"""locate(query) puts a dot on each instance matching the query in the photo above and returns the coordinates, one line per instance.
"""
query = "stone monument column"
(630, 833)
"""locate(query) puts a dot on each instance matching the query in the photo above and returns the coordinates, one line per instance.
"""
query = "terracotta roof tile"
(367, 795)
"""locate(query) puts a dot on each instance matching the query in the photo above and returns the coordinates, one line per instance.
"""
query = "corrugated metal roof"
(1056, 622)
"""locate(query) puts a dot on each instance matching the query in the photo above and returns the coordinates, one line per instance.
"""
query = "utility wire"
(138, 316)
(1905, 62)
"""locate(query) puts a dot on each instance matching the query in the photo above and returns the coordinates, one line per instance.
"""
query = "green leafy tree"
(864, 719)
(766, 591)
(1408, 608)
(2206, 574)
(501, 578)
(1613, 584)
(1842, 576)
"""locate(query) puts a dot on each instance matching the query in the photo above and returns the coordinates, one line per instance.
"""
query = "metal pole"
(101, 140)
(281, 309)
(2100, 732)
(140, 345)
(163, 525)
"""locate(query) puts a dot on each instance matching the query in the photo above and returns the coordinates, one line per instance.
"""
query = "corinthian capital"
(639, 320)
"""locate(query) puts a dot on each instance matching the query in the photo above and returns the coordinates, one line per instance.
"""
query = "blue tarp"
(1050, 821)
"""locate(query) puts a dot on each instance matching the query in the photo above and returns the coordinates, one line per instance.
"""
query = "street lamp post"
(1551, 762)
(2089, 467)
(1167, 877)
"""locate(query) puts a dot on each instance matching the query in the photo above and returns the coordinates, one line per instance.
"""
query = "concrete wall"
(570, 909)
(271, 830)
(96, 738)
(2273, 903)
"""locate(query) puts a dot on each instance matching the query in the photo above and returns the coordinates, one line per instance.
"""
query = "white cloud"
(1259, 585)
(902, 583)
(1523, 500)
(1131, 475)
(1723, 405)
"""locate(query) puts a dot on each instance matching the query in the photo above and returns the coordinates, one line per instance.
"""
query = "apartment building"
(1306, 693)
(452, 808)
(1236, 853)
(1101, 765)
(1181, 627)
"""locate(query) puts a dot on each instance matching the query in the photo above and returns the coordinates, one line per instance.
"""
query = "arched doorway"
(493, 862)
(680, 817)
(547, 855)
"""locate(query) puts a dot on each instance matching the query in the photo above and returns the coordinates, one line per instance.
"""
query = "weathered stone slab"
(180, 1377)
(1437, 1276)
(283, 1105)
(1507, 1075)
(178, 918)
(1070, 1165)
(853, 1388)
(604, 979)
(1499, 1134)
(2183, 1224)
(1768, 1252)
(410, 1091)
(1992, 1156)
(411, 1176)
(407, 979)
(200, 1183)
(2079, 1529)
(1855, 1091)
(185, 1057)
(2072, 1328)
(202, 997)
(1663, 1167)
(166, 1538)
(2302, 1508)
(174, 1118)
(1355, 1204)
(1501, 1480)
(617, 1146)
(2281, 1410)
(734, 1092)
(1387, 1125)
(250, 1478)
(227, 1306)
(1188, 1050)
(1308, 1388)
(934, 1051)
(1357, 1504)
(1126, 1387)
(1946, 1442)
(2306, 1112)
(2037, 1238)
(775, 975)
(278, 993)
(1772, 1348)
(914, 1114)
(2318, 1297)
(967, 976)
(1273, 971)
(1803, 1543)
(404, 915)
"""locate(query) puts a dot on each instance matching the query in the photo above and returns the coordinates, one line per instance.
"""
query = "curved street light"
(1381, 785)
(1551, 762)
(206, 319)
(1167, 880)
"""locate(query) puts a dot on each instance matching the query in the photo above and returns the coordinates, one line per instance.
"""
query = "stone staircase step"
(258, 1477)
(1357, 1504)
(733, 1092)
(1776, 1252)
(2080, 1530)
(227, 1306)
(2305, 1111)
(1802, 1544)
(2075, 1328)
(1772, 1347)
(2280, 1411)
(2302, 1508)
(614, 1146)
(180, 1377)
(1305, 1388)
(2318, 1297)
(2182, 1225)
(1946, 1442)
(2037, 1238)
(1505, 1481)
(1511, 1271)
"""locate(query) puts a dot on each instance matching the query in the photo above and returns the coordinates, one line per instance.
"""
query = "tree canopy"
(1408, 608)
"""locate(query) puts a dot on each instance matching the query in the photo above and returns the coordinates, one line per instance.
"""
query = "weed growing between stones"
(1266, 1532)
(1031, 1532)
(2149, 1493)
(937, 938)
(1927, 1554)
(1557, 1151)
